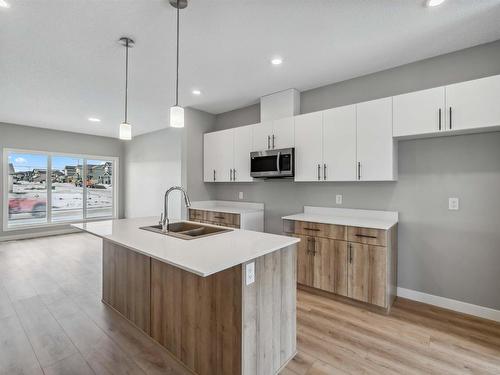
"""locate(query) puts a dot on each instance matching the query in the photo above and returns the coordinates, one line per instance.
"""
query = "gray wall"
(31, 138)
(152, 165)
(454, 254)
(197, 123)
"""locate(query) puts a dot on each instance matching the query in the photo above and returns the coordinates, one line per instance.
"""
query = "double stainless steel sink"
(187, 230)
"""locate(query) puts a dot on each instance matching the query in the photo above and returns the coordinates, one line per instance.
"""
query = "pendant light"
(176, 111)
(125, 127)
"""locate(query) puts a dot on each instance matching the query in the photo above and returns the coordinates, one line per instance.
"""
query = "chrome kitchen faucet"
(164, 221)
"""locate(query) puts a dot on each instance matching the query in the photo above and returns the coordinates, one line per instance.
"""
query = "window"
(79, 188)
(100, 188)
(27, 192)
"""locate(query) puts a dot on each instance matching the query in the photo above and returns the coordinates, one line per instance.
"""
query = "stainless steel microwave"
(273, 163)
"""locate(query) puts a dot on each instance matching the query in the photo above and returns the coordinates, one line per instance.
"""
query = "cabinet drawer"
(223, 218)
(335, 232)
(367, 236)
(197, 215)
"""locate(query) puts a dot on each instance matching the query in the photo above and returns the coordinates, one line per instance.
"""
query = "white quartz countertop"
(202, 256)
(227, 206)
(349, 217)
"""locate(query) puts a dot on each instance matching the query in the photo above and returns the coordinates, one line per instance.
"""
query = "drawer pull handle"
(365, 236)
(313, 229)
(219, 217)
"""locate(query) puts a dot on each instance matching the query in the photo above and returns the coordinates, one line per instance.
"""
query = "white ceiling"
(60, 62)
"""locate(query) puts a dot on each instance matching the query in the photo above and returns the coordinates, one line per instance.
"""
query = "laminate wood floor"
(52, 322)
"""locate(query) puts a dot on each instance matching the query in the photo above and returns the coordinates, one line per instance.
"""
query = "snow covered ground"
(67, 202)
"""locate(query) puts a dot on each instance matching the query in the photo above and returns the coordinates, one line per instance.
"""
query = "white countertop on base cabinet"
(346, 216)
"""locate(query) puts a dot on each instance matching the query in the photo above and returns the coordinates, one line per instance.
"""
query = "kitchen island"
(221, 304)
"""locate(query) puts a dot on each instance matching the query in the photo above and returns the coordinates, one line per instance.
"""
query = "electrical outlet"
(453, 204)
(240, 195)
(250, 273)
(338, 199)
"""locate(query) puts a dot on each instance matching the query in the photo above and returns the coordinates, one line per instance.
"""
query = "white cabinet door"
(283, 135)
(242, 149)
(224, 153)
(262, 136)
(473, 104)
(375, 146)
(420, 112)
(209, 156)
(339, 144)
(308, 146)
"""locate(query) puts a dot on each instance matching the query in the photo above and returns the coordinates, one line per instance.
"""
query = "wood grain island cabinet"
(336, 256)
(197, 298)
(238, 215)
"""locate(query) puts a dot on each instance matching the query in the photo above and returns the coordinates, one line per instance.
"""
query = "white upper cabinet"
(375, 146)
(309, 146)
(224, 155)
(473, 104)
(339, 144)
(283, 133)
(262, 136)
(271, 135)
(209, 156)
(420, 112)
(242, 148)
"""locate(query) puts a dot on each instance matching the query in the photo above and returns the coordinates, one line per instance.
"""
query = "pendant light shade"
(176, 117)
(125, 132)
(176, 111)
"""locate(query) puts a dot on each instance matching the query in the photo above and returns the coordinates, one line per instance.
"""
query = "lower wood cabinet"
(351, 263)
(225, 219)
(322, 264)
(367, 276)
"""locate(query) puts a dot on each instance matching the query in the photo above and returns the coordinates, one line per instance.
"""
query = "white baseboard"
(25, 236)
(450, 304)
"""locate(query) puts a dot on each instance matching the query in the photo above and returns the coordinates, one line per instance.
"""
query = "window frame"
(50, 155)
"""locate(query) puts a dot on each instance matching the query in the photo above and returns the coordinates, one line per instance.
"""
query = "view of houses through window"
(78, 188)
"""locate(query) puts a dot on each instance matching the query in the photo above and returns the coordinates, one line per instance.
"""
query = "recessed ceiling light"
(277, 61)
(4, 4)
(92, 119)
(434, 3)
(196, 92)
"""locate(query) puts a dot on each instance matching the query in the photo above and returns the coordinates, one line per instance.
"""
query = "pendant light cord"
(126, 79)
(177, 71)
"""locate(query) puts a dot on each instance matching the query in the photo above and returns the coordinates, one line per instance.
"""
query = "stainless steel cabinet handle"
(319, 172)
(214, 174)
(234, 174)
(268, 142)
(365, 236)
(324, 171)
(230, 175)
(451, 118)
(359, 170)
(273, 141)
(439, 118)
(350, 253)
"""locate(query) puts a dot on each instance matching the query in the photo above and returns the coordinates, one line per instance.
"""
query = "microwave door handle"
(278, 162)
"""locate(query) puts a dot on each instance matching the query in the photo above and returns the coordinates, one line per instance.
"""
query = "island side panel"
(269, 313)
(126, 283)
(198, 319)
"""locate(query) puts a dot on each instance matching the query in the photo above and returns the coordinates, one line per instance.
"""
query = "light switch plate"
(338, 199)
(240, 195)
(453, 204)
(250, 273)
